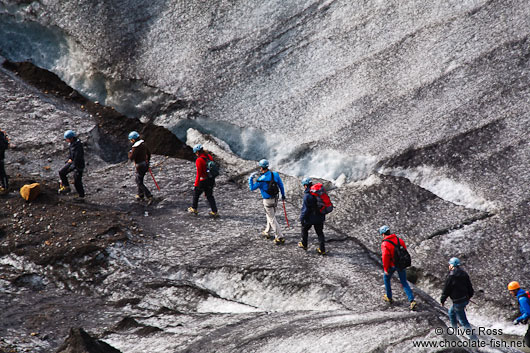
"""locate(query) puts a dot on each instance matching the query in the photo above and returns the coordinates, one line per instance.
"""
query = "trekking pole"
(285, 213)
(152, 176)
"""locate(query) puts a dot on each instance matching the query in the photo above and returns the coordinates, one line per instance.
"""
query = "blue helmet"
(133, 135)
(264, 163)
(306, 181)
(197, 148)
(454, 261)
(383, 230)
(69, 134)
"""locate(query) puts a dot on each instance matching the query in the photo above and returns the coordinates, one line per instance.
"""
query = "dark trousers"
(78, 178)
(141, 170)
(319, 229)
(205, 186)
(3, 175)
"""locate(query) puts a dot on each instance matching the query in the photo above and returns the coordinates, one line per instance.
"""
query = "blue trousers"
(402, 278)
(457, 311)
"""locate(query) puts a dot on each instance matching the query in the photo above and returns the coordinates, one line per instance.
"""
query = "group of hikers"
(315, 206)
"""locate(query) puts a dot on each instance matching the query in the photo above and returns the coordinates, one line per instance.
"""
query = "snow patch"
(20, 263)
(459, 238)
(442, 186)
(218, 305)
(372, 180)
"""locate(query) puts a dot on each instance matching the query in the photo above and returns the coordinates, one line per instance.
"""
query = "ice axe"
(285, 213)
(152, 176)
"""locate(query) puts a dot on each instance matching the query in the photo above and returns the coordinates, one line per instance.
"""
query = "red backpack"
(323, 202)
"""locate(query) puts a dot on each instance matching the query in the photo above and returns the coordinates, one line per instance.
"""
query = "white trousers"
(270, 206)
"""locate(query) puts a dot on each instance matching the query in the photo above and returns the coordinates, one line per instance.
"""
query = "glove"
(283, 198)
(442, 302)
(515, 322)
(253, 175)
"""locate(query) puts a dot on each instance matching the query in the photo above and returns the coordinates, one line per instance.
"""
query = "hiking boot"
(413, 305)
(193, 211)
(320, 252)
(150, 200)
(139, 197)
(79, 199)
(266, 235)
(302, 246)
(387, 299)
(279, 241)
(2, 190)
(64, 190)
(214, 214)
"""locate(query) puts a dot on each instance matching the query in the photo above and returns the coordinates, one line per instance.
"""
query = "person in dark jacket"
(459, 288)
(75, 164)
(4, 145)
(140, 155)
(310, 216)
(524, 307)
(203, 184)
(389, 267)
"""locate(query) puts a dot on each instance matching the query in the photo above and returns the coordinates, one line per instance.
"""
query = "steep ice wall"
(367, 79)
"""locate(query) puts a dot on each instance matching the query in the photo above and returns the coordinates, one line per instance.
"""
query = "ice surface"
(283, 154)
(51, 49)
(263, 293)
(326, 89)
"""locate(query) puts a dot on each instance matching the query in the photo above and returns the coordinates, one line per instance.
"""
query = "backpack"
(402, 258)
(212, 168)
(4, 143)
(272, 187)
(323, 201)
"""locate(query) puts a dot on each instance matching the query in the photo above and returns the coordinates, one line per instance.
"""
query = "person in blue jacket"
(310, 216)
(524, 307)
(270, 184)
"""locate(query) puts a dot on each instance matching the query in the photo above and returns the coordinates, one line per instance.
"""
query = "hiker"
(75, 163)
(141, 156)
(203, 183)
(459, 288)
(388, 253)
(4, 145)
(310, 216)
(523, 298)
(269, 184)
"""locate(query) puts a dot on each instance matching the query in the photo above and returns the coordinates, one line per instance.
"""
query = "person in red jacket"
(387, 249)
(203, 184)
